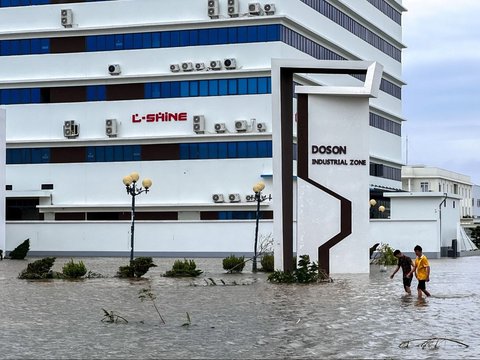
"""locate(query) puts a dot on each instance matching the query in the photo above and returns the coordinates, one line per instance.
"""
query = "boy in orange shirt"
(421, 269)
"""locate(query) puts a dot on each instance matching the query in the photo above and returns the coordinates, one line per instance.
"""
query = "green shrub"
(40, 269)
(74, 270)
(385, 256)
(233, 263)
(268, 263)
(137, 268)
(306, 272)
(20, 252)
(185, 268)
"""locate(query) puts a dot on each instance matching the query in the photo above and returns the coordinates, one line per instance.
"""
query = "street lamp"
(373, 203)
(257, 189)
(130, 182)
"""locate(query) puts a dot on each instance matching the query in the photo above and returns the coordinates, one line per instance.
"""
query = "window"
(455, 188)
(424, 186)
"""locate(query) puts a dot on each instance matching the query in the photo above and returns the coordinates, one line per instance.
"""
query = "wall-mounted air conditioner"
(215, 65)
(230, 64)
(213, 9)
(234, 198)
(111, 127)
(199, 124)
(241, 125)
(233, 7)
(269, 9)
(261, 127)
(200, 66)
(66, 18)
(114, 69)
(220, 127)
(187, 66)
(255, 9)
(175, 68)
(218, 198)
(70, 129)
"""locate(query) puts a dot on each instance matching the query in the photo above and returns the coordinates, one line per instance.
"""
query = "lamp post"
(130, 182)
(257, 189)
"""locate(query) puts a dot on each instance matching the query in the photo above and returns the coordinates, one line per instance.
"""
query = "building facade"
(181, 93)
(430, 179)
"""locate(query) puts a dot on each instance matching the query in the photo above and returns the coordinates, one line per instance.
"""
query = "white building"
(421, 178)
(476, 201)
(179, 91)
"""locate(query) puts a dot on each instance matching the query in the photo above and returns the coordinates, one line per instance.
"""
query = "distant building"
(475, 201)
(420, 178)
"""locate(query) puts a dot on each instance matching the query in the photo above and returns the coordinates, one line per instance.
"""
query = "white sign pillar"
(3, 119)
(332, 166)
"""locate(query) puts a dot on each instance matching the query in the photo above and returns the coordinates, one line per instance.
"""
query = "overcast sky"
(442, 99)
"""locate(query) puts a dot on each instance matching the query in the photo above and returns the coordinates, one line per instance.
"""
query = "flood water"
(356, 316)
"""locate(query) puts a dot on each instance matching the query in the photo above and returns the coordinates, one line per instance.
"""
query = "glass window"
(110, 42)
(213, 151)
(242, 86)
(193, 152)
(45, 46)
(232, 150)
(213, 87)
(273, 32)
(193, 37)
(252, 151)
(203, 151)
(252, 85)
(223, 36)
(232, 87)
(156, 40)
(165, 90)
(119, 42)
(14, 47)
(90, 154)
(147, 40)
(184, 89)
(101, 42)
(222, 87)
(213, 36)
(137, 41)
(137, 152)
(242, 34)
(175, 89)
(222, 150)
(35, 96)
(91, 43)
(175, 38)
(204, 88)
(128, 41)
(252, 34)
(184, 152)
(262, 86)
(165, 38)
(184, 38)
(193, 88)
(232, 35)
(156, 90)
(203, 37)
(24, 47)
(127, 153)
(242, 150)
(262, 33)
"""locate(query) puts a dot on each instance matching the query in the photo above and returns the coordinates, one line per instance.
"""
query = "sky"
(441, 102)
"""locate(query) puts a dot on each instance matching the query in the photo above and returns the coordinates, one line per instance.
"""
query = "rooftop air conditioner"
(66, 18)
(199, 124)
(269, 9)
(111, 129)
(233, 198)
(200, 66)
(215, 65)
(241, 125)
(187, 66)
(261, 127)
(255, 9)
(230, 64)
(218, 198)
(114, 69)
(175, 68)
(232, 9)
(220, 127)
(70, 129)
(213, 9)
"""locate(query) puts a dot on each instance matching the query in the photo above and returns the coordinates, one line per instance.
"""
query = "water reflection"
(356, 316)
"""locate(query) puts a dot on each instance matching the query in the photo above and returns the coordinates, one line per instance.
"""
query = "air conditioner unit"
(187, 66)
(66, 18)
(199, 124)
(114, 69)
(213, 9)
(220, 127)
(200, 66)
(261, 127)
(175, 68)
(218, 198)
(233, 198)
(250, 198)
(232, 9)
(215, 65)
(230, 64)
(254, 9)
(111, 129)
(269, 9)
(70, 129)
(241, 125)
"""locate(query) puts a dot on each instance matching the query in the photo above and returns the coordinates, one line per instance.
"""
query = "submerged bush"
(74, 270)
(40, 269)
(20, 252)
(185, 268)
(267, 263)
(233, 263)
(384, 256)
(137, 268)
(306, 272)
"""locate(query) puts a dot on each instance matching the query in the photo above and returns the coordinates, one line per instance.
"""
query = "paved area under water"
(356, 316)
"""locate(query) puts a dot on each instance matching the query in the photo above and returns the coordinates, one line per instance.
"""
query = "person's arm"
(412, 271)
(428, 273)
(391, 276)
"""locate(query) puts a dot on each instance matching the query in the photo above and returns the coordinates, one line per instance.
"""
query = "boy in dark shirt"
(406, 264)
